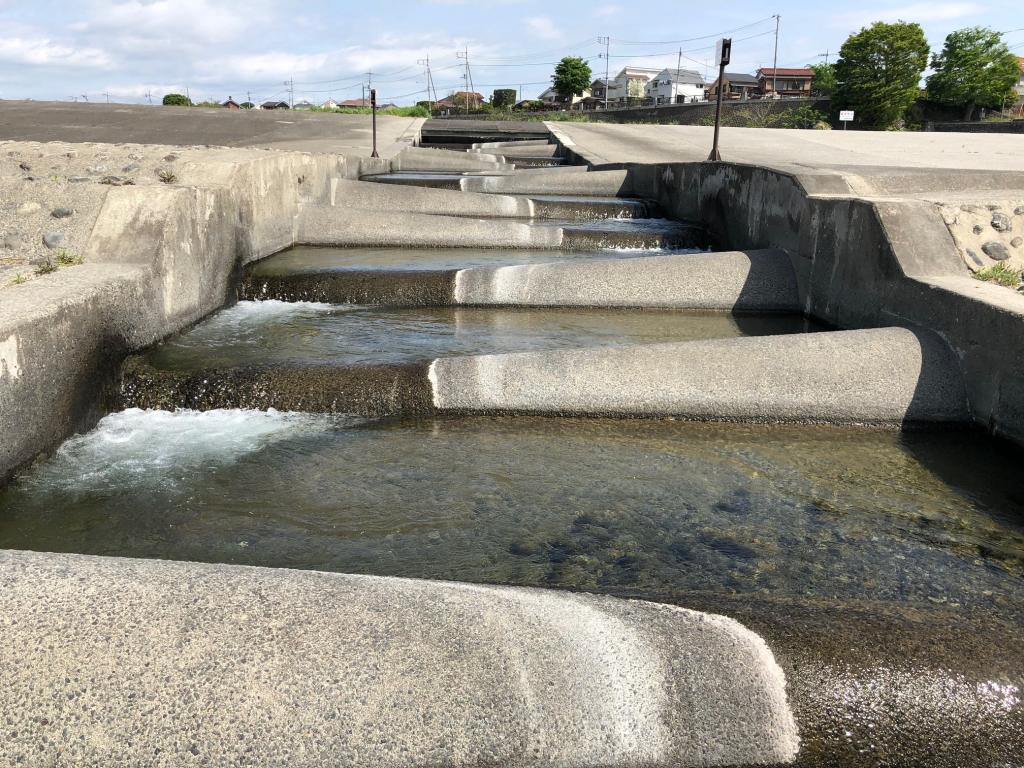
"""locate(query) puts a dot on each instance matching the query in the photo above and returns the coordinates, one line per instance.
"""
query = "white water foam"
(148, 447)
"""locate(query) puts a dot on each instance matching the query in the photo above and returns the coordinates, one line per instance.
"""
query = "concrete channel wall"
(158, 259)
(861, 262)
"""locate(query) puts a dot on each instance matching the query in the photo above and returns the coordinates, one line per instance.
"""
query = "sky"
(134, 51)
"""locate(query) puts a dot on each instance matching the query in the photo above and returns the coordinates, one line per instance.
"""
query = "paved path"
(143, 124)
(873, 155)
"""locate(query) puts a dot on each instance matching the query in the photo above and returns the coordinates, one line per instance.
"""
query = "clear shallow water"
(655, 507)
(277, 332)
(308, 260)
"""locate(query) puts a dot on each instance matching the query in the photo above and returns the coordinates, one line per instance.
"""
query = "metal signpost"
(722, 51)
(373, 112)
(845, 116)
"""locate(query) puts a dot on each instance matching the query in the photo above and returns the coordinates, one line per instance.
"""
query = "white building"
(551, 98)
(630, 83)
(672, 86)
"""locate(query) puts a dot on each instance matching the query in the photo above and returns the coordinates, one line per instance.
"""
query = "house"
(329, 104)
(737, 86)
(1020, 83)
(231, 104)
(629, 84)
(551, 98)
(598, 89)
(302, 105)
(789, 82)
(675, 86)
(274, 105)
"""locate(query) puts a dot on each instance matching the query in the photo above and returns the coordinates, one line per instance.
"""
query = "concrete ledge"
(418, 159)
(234, 666)
(883, 376)
(757, 281)
(323, 225)
(370, 196)
(543, 181)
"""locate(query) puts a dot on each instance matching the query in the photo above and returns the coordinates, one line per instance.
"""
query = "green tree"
(177, 100)
(975, 69)
(247, 105)
(572, 76)
(879, 71)
(824, 80)
(503, 98)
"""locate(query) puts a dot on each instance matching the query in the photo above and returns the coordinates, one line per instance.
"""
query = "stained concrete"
(369, 196)
(236, 666)
(888, 376)
(420, 159)
(756, 281)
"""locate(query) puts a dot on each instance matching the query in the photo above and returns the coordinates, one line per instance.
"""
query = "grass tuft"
(66, 258)
(1001, 274)
(47, 267)
(19, 279)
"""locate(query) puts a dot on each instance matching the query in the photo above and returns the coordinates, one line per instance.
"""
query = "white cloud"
(544, 28)
(919, 12)
(607, 10)
(42, 52)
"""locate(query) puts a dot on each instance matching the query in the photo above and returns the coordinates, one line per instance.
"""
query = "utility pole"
(775, 61)
(826, 54)
(679, 66)
(607, 61)
(467, 77)
(149, 97)
(430, 82)
(248, 98)
(290, 82)
(106, 96)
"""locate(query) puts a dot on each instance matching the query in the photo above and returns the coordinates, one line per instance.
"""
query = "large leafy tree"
(975, 69)
(879, 71)
(572, 77)
(824, 79)
(503, 98)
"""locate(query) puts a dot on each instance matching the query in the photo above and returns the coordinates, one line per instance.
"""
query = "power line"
(692, 39)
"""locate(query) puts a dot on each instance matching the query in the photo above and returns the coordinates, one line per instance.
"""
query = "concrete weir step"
(418, 159)
(736, 281)
(552, 182)
(888, 376)
(431, 672)
(880, 376)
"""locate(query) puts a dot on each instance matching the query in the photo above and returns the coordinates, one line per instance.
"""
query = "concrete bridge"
(126, 661)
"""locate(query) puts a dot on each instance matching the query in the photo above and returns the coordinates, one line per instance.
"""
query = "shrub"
(177, 100)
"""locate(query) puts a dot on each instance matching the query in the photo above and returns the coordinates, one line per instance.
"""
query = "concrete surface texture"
(325, 225)
(883, 376)
(758, 281)
(144, 124)
(396, 197)
(418, 159)
(542, 182)
(246, 666)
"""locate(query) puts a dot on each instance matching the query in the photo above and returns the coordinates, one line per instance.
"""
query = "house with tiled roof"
(785, 81)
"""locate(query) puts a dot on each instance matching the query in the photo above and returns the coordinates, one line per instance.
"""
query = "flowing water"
(656, 507)
(278, 332)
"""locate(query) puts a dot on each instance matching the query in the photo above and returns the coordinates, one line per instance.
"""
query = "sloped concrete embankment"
(862, 262)
(242, 665)
(158, 259)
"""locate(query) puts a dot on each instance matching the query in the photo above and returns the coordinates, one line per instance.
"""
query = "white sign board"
(846, 116)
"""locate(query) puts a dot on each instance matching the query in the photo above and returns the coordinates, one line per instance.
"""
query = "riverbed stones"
(1001, 222)
(28, 208)
(54, 239)
(995, 250)
(61, 213)
(1017, 242)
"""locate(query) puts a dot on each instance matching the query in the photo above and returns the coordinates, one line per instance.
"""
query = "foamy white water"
(147, 446)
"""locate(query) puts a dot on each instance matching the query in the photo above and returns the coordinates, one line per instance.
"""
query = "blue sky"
(56, 49)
